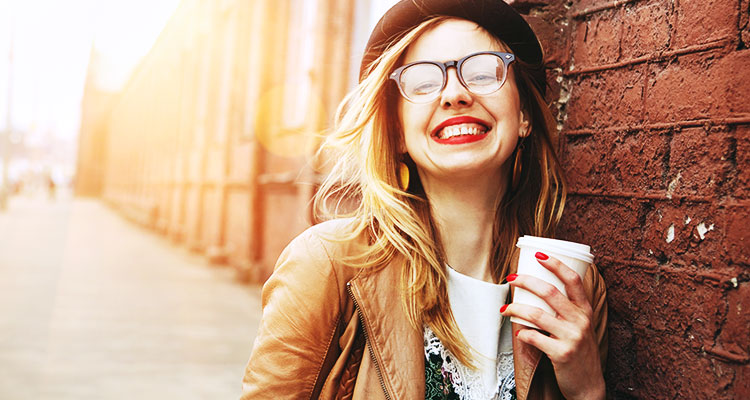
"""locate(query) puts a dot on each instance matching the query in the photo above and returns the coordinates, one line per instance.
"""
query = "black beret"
(495, 16)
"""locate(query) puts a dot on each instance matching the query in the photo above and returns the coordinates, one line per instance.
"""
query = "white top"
(476, 308)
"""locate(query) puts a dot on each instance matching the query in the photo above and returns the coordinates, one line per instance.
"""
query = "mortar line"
(658, 196)
(712, 278)
(603, 7)
(726, 355)
(744, 120)
(661, 56)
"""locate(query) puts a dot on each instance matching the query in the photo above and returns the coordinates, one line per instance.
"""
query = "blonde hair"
(398, 223)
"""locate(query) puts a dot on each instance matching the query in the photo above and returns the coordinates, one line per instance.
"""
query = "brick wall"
(653, 99)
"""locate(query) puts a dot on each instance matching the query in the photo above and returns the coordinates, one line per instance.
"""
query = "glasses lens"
(421, 82)
(483, 73)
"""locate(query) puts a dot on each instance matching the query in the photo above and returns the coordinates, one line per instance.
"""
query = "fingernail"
(502, 309)
(517, 332)
(511, 277)
(541, 256)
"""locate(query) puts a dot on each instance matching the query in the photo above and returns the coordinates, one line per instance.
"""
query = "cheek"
(506, 110)
(414, 120)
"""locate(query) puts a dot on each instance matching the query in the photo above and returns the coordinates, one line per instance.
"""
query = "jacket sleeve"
(598, 296)
(301, 307)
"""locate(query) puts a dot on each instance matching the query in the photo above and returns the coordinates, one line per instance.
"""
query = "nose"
(455, 94)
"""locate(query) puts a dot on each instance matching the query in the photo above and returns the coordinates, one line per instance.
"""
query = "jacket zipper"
(367, 341)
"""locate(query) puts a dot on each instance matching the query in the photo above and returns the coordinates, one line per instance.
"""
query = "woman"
(446, 142)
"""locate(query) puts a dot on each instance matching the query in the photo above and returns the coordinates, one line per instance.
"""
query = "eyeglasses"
(481, 73)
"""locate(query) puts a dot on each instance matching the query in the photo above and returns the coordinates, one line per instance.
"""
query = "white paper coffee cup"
(577, 256)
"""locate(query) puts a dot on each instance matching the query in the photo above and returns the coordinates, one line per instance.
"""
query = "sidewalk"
(94, 307)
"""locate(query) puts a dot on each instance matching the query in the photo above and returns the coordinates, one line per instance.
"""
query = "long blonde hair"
(398, 223)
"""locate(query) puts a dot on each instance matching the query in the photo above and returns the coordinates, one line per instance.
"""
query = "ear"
(525, 126)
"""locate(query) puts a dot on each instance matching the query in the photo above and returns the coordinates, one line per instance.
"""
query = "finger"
(544, 320)
(547, 292)
(546, 344)
(570, 278)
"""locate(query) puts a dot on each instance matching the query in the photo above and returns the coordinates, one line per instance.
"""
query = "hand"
(571, 345)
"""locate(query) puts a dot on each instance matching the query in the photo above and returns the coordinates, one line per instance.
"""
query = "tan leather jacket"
(333, 332)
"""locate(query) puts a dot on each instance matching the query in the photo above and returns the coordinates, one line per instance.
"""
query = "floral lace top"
(446, 378)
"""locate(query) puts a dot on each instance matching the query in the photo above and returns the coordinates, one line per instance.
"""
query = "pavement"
(95, 307)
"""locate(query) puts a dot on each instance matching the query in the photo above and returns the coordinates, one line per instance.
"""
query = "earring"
(517, 165)
(403, 176)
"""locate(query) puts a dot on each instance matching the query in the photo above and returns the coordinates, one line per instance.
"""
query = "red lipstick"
(461, 139)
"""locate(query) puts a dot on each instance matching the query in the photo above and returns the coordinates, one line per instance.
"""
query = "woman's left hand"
(571, 344)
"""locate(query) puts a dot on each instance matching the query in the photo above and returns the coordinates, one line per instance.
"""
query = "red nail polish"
(511, 277)
(502, 309)
(541, 256)
(517, 332)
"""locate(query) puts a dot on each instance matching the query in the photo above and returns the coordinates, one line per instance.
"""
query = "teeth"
(458, 130)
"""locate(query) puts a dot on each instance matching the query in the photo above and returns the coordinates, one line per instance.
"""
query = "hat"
(495, 16)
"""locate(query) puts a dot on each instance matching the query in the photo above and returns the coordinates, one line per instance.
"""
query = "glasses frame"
(507, 58)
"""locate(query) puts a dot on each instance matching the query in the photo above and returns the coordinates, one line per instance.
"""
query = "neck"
(464, 213)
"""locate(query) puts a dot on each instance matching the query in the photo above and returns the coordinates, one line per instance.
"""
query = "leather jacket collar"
(398, 348)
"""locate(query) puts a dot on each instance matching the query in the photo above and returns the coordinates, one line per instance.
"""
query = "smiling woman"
(436, 133)
(447, 144)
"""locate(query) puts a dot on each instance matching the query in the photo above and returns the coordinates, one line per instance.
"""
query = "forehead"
(450, 40)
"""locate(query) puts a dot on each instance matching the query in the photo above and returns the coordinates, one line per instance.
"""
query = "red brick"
(741, 387)
(607, 98)
(616, 162)
(667, 366)
(646, 29)
(699, 86)
(580, 5)
(554, 86)
(647, 364)
(620, 358)
(672, 302)
(610, 227)
(582, 159)
(552, 34)
(734, 335)
(658, 326)
(683, 305)
(736, 219)
(742, 161)
(699, 161)
(684, 245)
(597, 39)
(627, 288)
(703, 21)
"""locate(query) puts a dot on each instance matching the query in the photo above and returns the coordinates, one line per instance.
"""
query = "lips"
(460, 130)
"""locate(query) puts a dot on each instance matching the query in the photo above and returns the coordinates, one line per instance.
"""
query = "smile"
(459, 130)
(462, 129)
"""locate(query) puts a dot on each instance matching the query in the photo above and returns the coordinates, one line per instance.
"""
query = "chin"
(470, 170)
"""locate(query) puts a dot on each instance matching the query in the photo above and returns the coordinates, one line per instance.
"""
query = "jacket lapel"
(525, 360)
(397, 347)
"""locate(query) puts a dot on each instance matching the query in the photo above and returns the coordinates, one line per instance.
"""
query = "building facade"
(211, 142)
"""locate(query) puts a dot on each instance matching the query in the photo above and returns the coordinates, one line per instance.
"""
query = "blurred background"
(195, 118)
(155, 157)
